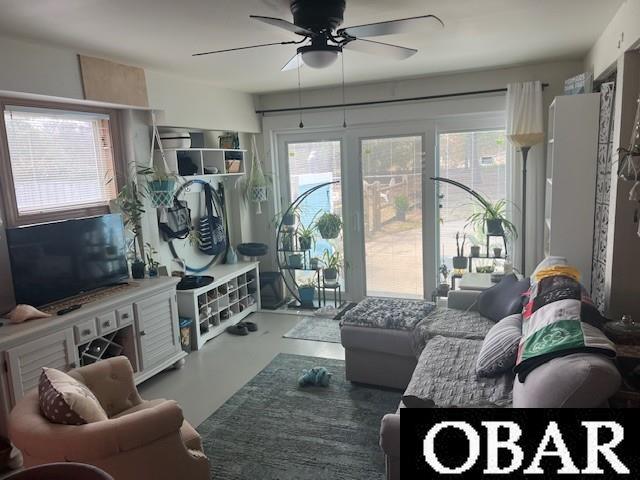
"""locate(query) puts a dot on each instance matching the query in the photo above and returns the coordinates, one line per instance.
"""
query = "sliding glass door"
(393, 226)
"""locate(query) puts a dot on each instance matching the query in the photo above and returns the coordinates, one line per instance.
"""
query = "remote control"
(69, 309)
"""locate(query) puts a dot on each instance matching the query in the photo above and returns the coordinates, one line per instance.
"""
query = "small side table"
(337, 293)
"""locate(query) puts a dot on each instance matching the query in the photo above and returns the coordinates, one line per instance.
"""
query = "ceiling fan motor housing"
(318, 15)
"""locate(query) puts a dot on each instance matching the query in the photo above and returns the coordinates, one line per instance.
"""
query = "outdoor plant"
(401, 204)
(329, 225)
(444, 271)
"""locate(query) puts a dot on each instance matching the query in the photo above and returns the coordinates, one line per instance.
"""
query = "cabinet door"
(157, 320)
(25, 362)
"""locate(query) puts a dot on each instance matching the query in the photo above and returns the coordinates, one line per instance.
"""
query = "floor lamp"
(524, 130)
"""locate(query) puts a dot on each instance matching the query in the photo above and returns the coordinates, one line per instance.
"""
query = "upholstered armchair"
(141, 440)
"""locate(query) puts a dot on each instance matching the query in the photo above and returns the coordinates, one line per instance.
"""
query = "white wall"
(552, 73)
(622, 34)
(196, 104)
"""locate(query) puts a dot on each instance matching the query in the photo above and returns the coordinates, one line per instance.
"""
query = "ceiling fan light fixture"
(319, 57)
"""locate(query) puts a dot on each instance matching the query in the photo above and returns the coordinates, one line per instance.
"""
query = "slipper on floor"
(251, 326)
(238, 329)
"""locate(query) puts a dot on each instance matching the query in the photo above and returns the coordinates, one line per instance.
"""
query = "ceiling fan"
(317, 21)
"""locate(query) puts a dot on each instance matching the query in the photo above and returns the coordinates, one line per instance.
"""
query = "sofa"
(435, 361)
(141, 440)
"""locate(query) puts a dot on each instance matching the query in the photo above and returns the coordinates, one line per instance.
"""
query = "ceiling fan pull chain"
(301, 125)
(344, 102)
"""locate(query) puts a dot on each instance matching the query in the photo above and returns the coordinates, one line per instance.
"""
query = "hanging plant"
(257, 188)
(161, 182)
(329, 225)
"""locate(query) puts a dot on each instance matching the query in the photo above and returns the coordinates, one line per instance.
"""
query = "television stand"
(138, 320)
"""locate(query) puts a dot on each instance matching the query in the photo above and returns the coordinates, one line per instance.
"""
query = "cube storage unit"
(233, 295)
(208, 163)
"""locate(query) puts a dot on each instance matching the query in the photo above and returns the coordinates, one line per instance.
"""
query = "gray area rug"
(272, 429)
(316, 328)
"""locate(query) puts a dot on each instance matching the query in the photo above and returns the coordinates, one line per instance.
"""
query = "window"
(58, 163)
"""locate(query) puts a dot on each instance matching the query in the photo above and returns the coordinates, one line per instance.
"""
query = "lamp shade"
(524, 114)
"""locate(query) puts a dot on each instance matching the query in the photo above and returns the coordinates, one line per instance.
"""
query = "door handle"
(142, 333)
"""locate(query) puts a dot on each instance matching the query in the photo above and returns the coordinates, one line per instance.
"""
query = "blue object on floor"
(317, 376)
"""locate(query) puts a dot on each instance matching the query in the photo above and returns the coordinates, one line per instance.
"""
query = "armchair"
(141, 440)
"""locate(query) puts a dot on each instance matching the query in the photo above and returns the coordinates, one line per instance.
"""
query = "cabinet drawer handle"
(142, 333)
(125, 316)
(85, 332)
(106, 324)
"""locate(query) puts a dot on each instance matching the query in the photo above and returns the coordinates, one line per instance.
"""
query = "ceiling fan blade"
(391, 27)
(294, 63)
(242, 48)
(278, 22)
(379, 48)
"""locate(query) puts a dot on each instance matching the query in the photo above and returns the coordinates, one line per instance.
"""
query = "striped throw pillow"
(500, 347)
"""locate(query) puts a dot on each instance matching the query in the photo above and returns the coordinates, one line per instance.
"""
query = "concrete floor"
(227, 362)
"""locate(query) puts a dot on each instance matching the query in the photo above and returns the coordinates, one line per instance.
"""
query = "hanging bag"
(213, 239)
(175, 221)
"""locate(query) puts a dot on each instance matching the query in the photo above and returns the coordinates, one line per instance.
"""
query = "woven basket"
(161, 193)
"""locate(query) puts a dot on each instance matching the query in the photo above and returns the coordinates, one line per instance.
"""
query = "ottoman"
(377, 336)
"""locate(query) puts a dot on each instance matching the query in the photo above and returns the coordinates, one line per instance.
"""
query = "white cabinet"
(25, 362)
(572, 154)
(157, 322)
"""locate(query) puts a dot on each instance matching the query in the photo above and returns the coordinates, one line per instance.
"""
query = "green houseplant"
(130, 202)
(460, 261)
(491, 219)
(401, 204)
(305, 236)
(329, 225)
(306, 292)
(160, 185)
(152, 263)
(332, 265)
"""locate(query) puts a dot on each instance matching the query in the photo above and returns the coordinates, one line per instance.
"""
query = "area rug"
(318, 329)
(272, 429)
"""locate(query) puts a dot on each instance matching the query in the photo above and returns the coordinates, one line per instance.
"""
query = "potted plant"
(287, 241)
(314, 263)
(130, 203)
(160, 185)
(306, 292)
(294, 261)
(329, 225)
(497, 250)
(305, 236)
(443, 288)
(460, 261)
(152, 263)
(492, 220)
(332, 266)
(401, 204)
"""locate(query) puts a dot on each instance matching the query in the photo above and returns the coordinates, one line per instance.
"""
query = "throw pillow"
(503, 299)
(500, 347)
(65, 400)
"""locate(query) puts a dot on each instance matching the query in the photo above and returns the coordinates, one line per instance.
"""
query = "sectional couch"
(433, 362)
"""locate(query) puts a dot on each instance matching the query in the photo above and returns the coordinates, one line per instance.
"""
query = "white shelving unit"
(572, 155)
(225, 162)
(233, 295)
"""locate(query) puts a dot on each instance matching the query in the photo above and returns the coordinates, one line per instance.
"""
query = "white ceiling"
(162, 34)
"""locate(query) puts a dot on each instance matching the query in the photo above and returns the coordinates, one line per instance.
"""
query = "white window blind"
(60, 160)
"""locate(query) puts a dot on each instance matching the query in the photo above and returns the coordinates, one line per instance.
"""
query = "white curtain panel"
(525, 128)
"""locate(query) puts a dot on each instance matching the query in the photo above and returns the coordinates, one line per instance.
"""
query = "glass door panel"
(478, 160)
(392, 201)
(310, 164)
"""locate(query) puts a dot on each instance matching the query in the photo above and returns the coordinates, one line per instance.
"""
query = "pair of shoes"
(242, 328)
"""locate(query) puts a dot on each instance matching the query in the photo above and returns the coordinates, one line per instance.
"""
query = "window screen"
(60, 160)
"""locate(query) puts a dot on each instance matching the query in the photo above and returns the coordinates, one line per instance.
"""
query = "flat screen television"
(52, 261)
